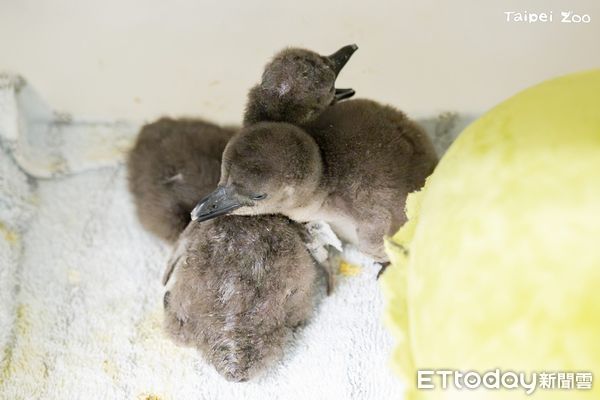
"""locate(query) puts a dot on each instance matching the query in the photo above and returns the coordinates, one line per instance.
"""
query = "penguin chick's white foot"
(325, 247)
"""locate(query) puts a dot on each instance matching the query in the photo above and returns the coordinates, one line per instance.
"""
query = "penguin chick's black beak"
(222, 201)
(341, 57)
(341, 94)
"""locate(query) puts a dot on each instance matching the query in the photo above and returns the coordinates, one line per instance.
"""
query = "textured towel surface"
(81, 300)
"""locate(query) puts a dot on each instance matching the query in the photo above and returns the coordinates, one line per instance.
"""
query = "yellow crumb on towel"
(145, 396)
(348, 269)
(9, 235)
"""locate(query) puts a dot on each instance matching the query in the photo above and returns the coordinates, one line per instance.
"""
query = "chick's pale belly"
(343, 226)
(345, 229)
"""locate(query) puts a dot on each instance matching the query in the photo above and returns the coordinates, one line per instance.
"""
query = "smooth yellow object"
(499, 264)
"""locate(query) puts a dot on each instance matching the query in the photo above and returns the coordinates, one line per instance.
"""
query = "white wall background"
(142, 59)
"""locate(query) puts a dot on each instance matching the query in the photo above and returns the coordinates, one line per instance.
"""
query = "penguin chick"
(297, 85)
(242, 284)
(172, 164)
(352, 167)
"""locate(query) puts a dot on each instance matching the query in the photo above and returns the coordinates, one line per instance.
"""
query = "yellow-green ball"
(499, 264)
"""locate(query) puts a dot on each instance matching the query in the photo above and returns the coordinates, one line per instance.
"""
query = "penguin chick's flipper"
(177, 254)
(330, 267)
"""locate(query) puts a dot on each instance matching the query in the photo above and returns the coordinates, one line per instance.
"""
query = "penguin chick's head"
(297, 85)
(267, 168)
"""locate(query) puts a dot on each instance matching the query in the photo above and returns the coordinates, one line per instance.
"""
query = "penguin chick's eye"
(259, 196)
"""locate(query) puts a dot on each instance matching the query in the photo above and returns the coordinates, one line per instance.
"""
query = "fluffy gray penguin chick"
(241, 284)
(297, 85)
(172, 164)
(350, 164)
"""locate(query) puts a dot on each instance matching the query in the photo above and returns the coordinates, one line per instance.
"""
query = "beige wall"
(141, 59)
